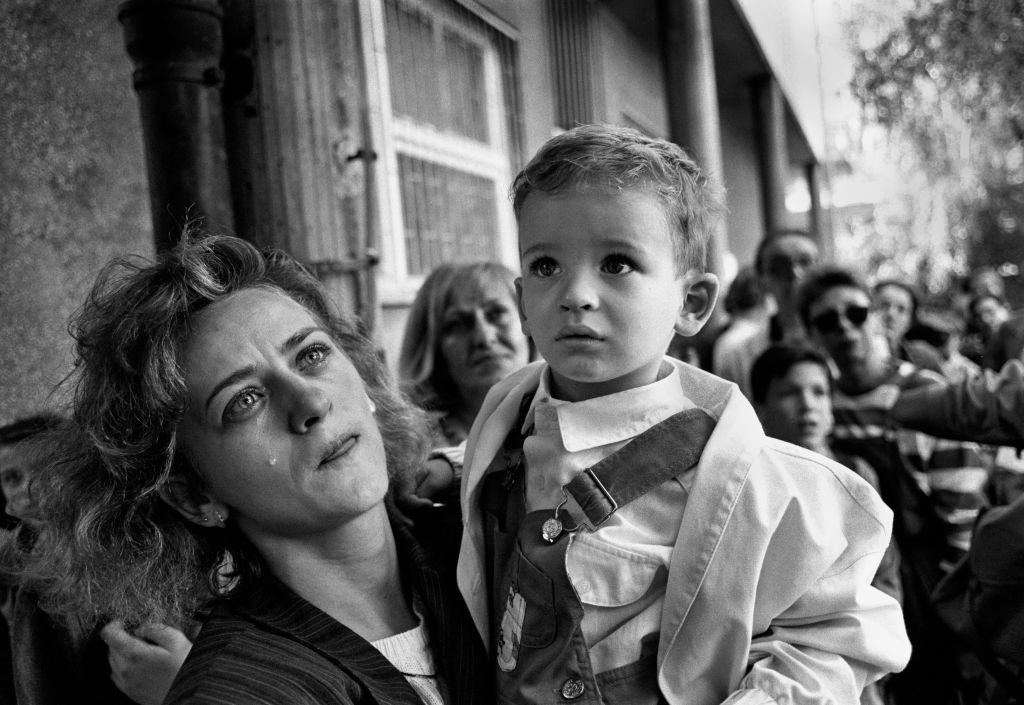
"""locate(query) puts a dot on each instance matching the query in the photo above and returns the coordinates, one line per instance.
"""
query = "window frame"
(393, 134)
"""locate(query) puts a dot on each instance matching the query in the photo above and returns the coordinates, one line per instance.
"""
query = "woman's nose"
(309, 405)
(485, 333)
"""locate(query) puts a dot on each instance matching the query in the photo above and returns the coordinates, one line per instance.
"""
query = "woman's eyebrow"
(297, 337)
(235, 376)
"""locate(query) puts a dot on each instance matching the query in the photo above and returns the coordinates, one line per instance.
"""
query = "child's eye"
(313, 355)
(544, 267)
(242, 405)
(618, 264)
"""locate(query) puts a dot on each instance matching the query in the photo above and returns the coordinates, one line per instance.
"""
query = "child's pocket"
(610, 576)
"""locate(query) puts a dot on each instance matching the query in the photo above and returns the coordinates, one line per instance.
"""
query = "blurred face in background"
(843, 324)
(784, 262)
(481, 340)
(895, 308)
(989, 313)
(798, 406)
(17, 462)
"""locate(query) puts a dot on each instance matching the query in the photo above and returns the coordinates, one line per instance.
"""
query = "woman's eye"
(454, 326)
(544, 267)
(617, 264)
(241, 405)
(499, 316)
(314, 355)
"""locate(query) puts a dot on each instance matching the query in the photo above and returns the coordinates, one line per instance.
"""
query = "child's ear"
(195, 505)
(700, 292)
(519, 305)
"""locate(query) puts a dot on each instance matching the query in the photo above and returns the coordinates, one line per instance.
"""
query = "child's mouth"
(577, 333)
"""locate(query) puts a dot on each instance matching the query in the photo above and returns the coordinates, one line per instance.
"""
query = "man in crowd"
(933, 486)
(781, 262)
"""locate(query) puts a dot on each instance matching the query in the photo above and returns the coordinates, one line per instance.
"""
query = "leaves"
(945, 80)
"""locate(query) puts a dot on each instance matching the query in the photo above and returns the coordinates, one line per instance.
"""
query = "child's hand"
(143, 665)
(418, 492)
(436, 481)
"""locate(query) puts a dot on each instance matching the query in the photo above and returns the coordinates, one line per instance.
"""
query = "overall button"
(572, 688)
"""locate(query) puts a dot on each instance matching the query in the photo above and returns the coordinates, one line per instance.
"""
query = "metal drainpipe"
(176, 47)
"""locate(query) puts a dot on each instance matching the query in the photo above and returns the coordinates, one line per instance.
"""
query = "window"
(448, 133)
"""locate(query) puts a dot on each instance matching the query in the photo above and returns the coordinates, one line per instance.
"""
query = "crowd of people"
(241, 505)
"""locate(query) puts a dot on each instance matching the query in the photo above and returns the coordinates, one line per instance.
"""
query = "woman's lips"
(339, 448)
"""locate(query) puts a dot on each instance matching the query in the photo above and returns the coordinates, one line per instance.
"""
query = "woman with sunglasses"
(233, 444)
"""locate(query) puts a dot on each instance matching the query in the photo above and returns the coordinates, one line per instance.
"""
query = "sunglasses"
(829, 321)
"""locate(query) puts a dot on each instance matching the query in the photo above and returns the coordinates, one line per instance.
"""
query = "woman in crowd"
(232, 445)
(897, 305)
(462, 335)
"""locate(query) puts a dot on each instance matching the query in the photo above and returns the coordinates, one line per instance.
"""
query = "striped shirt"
(933, 485)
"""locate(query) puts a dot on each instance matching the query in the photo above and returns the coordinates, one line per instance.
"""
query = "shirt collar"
(614, 417)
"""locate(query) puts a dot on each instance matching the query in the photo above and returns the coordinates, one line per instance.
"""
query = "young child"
(791, 387)
(631, 534)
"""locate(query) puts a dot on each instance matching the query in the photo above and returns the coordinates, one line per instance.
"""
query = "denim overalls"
(536, 613)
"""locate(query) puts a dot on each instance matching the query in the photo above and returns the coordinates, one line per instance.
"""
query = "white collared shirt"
(619, 571)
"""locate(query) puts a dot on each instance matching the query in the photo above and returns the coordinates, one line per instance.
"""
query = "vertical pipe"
(770, 119)
(815, 220)
(176, 46)
(693, 95)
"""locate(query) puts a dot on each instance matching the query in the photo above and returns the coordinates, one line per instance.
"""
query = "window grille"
(571, 40)
(449, 214)
(452, 122)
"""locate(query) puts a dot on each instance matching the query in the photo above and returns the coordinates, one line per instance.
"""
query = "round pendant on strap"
(572, 688)
(551, 529)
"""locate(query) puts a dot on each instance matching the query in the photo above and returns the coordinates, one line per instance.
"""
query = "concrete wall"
(633, 78)
(72, 181)
(742, 180)
(787, 34)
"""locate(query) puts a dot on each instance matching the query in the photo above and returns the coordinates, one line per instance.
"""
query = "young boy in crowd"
(791, 387)
(631, 534)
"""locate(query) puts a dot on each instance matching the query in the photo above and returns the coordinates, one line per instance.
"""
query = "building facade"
(375, 139)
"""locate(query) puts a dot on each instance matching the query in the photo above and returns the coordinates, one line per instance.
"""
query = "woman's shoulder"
(237, 661)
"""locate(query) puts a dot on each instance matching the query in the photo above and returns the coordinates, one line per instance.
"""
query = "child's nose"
(579, 293)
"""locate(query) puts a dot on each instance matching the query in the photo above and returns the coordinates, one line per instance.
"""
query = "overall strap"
(637, 467)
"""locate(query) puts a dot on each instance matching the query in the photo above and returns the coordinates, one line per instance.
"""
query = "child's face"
(600, 292)
(798, 406)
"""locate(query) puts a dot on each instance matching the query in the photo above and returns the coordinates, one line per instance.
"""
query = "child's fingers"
(115, 636)
(164, 636)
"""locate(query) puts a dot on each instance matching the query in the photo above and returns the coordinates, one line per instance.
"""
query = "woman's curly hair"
(110, 546)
